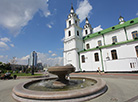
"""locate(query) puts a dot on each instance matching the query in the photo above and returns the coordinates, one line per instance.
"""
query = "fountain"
(61, 72)
(76, 89)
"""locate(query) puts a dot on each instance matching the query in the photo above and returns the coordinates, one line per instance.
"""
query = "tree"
(13, 60)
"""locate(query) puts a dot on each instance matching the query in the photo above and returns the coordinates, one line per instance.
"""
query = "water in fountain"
(47, 85)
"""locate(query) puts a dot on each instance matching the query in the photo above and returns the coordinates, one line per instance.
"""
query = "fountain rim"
(61, 68)
(21, 91)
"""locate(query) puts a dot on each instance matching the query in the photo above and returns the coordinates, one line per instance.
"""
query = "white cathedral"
(114, 49)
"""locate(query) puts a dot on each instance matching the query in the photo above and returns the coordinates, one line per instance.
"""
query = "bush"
(28, 70)
(16, 71)
(11, 71)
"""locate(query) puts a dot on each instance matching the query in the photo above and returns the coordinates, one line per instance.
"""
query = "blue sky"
(38, 25)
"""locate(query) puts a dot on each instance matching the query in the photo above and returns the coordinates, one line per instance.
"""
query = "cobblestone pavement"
(122, 87)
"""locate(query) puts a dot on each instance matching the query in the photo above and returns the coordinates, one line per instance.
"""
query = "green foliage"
(4, 66)
(28, 70)
(16, 71)
(26, 74)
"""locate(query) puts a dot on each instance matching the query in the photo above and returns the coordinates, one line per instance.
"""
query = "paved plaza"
(122, 87)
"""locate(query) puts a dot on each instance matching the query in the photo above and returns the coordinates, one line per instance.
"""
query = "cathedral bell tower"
(87, 28)
(73, 40)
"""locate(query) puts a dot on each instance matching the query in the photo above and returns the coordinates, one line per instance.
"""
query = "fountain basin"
(61, 72)
(20, 93)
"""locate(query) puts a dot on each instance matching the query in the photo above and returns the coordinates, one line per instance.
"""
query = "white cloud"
(54, 54)
(49, 26)
(25, 58)
(83, 10)
(12, 45)
(15, 14)
(3, 58)
(44, 58)
(50, 51)
(137, 14)
(3, 46)
(97, 29)
(4, 43)
(5, 39)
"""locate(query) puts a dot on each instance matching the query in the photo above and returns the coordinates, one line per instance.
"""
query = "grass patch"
(25, 74)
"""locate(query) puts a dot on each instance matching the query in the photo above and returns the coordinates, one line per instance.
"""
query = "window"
(69, 23)
(136, 50)
(114, 39)
(83, 58)
(69, 33)
(78, 33)
(87, 46)
(86, 32)
(91, 31)
(114, 54)
(96, 57)
(76, 22)
(99, 43)
(135, 34)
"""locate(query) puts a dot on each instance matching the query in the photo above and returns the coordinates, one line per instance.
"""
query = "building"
(114, 49)
(33, 59)
(39, 66)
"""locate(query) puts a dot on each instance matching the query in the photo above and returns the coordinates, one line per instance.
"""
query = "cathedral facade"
(114, 49)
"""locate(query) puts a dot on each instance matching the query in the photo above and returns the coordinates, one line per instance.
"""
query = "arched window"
(87, 46)
(78, 33)
(135, 34)
(114, 54)
(99, 43)
(69, 23)
(83, 58)
(96, 57)
(76, 22)
(69, 33)
(114, 39)
(86, 32)
(136, 50)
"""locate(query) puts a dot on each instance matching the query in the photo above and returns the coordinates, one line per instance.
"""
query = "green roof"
(113, 28)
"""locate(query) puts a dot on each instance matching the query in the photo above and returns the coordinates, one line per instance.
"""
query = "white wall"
(121, 65)
(90, 64)
(71, 57)
(72, 19)
(89, 29)
(126, 54)
(71, 44)
(120, 34)
(72, 30)
(130, 29)
(94, 42)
